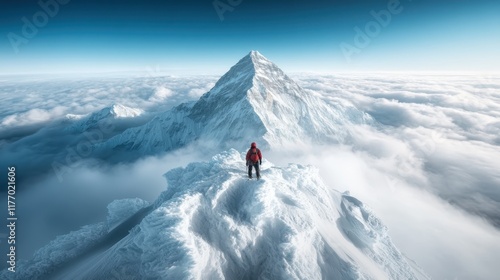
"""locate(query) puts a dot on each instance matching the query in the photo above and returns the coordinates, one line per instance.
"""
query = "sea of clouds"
(31, 101)
(449, 125)
(429, 168)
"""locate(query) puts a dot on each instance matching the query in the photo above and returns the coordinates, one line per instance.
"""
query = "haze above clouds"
(437, 142)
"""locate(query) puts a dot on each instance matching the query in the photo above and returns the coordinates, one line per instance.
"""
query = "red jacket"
(249, 153)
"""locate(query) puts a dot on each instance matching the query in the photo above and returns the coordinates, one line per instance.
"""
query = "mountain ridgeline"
(253, 101)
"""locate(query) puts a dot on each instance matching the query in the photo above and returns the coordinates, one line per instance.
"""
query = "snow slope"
(213, 223)
(253, 101)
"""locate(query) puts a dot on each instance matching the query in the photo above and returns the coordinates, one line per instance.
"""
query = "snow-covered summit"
(241, 75)
(213, 223)
(254, 101)
(121, 111)
(116, 111)
(93, 120)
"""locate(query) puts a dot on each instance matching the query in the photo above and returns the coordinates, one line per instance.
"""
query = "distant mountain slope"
(94, 120)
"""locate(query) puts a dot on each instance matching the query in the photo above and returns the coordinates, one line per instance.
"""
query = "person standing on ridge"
(254, 159)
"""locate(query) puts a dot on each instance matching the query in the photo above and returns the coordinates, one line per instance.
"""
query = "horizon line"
(177, 72)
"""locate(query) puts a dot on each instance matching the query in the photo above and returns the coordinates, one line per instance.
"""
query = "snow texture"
(58, 251)
(122, 209)
(213, 223)
(254, 97)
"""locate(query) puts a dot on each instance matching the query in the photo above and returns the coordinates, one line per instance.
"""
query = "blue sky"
(298, 35)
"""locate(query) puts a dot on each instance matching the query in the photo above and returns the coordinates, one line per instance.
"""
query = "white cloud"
(32, 116)
(161, 93)
(196, 92)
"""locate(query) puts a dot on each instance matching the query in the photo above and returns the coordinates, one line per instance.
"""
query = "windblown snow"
(213, 223)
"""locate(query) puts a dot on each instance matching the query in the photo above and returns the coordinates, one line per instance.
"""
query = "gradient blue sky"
(298, 35)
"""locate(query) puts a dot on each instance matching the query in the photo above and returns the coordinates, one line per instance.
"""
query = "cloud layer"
(33, 101)
(429, 169)
(449, 123)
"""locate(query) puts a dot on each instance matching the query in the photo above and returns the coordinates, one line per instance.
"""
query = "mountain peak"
(254, 53)
(247, 73)
(121, 111)
(257, 58)
(254, 101)
(257, 61)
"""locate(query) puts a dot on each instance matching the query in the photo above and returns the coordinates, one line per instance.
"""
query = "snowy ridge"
(64, 247)
(255, 101)
(212, 223)
(108, 114)
(368, 233)
(72, 245)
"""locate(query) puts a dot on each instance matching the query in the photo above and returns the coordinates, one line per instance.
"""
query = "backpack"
(254, 156)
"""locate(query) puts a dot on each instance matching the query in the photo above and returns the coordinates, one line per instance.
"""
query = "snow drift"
(213, 223)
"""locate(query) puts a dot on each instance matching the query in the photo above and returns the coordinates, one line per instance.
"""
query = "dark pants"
(257, 169)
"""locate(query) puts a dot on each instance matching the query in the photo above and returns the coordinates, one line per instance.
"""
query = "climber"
(254, 158)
